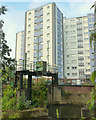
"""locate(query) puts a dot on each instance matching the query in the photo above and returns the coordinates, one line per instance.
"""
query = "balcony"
(35, 47)
(40, 46)
(40, 40)
(40, 26)
(59, 55)
(35, 55)
(40, 54)
(59, 47)
(80, 46)
(40, 13)
(80, 40)
(80, 52)
(81, 64)
(39, 33)
(38, 9)
(93, 57)
(79, 34)
(38, 20)
(80, 58)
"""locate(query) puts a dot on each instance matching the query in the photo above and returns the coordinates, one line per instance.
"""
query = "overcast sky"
(15, 16)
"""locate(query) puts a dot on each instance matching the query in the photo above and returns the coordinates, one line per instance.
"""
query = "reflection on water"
(65, 111)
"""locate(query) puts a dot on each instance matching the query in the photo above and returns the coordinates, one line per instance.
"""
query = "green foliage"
(93, 76)
(7, 62)
(9, 98)
(39, 94)
(21, 101)
(57, 113)
(14, 116)
(93, 95)
(92, 38)
(93, 118)
(83, 118)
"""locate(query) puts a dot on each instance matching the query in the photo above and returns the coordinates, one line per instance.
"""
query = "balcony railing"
(80, 46)
(80, 58)
(40, 26)
(81, 64)
(39, 13)
(39, 33)
(40, 40)
(40, 46)
(35, 47)
(40, 54)
(38, 20)
(80, 40)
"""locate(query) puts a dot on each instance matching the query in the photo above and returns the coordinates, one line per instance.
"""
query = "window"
(85, 27)
(28, 52)
(29, 19)
(67, 56)
(48, 20)
(73, 55)
(68, 61)
(29, 25)
(28, 45)
(66, 32)
(73, 42)
(67, 43)
(29, 13)
(73, 31)
(87, 69)
(67, 38)
(72, 25)
(48, 27)
(67, 67)
(28, 32)
(67, 49)
(74, 74)
(73, 48)
(48, 13)
(73, 36)
(48, 34)
(85, 33)
(68, 73)
(85, 38)
(48, 6)
(74, 67)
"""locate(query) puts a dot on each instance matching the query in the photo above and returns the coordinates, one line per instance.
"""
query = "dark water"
(65, 111)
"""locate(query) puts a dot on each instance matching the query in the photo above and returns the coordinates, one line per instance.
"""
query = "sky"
(14, 19)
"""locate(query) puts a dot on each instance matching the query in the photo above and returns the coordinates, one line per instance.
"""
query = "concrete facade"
(44, 36)
(76, 49)
(19, 55)
(91, 21)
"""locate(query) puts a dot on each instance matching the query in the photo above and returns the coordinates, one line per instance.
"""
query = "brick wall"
(69, 94)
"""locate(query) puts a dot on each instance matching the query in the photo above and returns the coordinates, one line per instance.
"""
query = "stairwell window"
(48, 34)
(29, 13)
(48, 13)
(48, 27)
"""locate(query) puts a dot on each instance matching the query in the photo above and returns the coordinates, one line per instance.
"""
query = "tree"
(93, 34)
(6, 60)
(93, 76)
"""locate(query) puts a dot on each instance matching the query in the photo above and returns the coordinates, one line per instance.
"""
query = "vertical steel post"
(38, 50)
(23, 64)
(25, 60)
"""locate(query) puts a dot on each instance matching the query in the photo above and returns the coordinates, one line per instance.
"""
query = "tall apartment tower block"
(91, 27)
(76, 49)
(44, 36)
(19, 52)
(60, 42)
